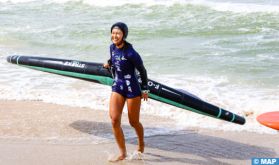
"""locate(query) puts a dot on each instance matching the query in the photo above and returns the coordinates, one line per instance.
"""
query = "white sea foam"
(239, 7)
(248, 7)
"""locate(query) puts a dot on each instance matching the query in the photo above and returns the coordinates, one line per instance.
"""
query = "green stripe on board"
(233, 117)
(101, 79)
(220, 113)
(17, 60)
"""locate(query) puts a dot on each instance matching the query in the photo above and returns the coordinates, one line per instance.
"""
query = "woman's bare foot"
(119, 158)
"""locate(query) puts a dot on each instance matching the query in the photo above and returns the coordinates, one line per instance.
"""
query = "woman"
(123, 63)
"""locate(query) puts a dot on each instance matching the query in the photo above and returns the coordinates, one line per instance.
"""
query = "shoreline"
(58, 130)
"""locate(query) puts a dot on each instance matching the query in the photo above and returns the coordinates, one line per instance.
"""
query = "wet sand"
(33, 132)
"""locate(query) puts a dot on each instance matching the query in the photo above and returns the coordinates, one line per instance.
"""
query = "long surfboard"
(95, 72)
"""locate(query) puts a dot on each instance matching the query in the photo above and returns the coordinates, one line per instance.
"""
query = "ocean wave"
(238, 7)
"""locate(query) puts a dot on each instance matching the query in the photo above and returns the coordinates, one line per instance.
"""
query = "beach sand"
(33, 132)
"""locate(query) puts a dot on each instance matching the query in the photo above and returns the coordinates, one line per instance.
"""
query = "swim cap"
(123, 27)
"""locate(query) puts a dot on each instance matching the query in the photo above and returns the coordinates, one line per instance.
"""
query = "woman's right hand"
(106, 65)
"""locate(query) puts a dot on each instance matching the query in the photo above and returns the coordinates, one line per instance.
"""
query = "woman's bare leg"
(133, 105)
(117, 103)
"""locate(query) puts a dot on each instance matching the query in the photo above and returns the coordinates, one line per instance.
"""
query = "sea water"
(225, 52)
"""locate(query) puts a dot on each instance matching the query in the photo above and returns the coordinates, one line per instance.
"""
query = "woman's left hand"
(144, 96)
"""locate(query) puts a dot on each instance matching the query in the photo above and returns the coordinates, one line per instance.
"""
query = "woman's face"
(117, 36)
